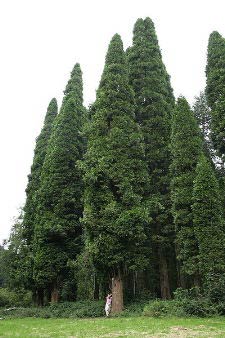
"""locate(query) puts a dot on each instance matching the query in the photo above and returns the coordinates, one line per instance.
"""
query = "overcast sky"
(40, 42)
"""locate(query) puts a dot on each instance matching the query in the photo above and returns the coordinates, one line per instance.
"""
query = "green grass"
(113, 327)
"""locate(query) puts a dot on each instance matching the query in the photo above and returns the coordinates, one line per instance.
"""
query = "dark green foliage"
(154, 100)
(34, 177)
(215, 89)
(186, 146)
(58, 229)
(3, 265)
(15, 298)
(17, 259)
(85, 276)
(105, 187)
(114, 172)
(159, 308)
(154, 106)
(186, 303)
(83, 309)
(218, 127)
(192, 302)
(207, 219)
(214, 287)
(203, 116)
(22, 234)
(215, 71)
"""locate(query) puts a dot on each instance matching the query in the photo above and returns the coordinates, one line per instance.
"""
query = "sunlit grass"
(113, 327)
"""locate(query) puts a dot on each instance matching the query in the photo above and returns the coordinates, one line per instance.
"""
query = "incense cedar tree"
(186, 147)
(30, 209)
(115, 177)
(36, 169)
(58, 228)
(154, 106)
(208, 219)
(215, 90)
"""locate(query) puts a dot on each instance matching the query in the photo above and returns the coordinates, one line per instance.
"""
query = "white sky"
(40, 42)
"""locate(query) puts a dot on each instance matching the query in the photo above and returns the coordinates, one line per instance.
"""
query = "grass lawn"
(113, 327)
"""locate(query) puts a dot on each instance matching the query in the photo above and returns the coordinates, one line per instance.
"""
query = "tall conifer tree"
(154, 105)
(36, 169)
(186, 146)
(115, 177)
(57, 228)
(30, 209)
(208, 220)
(215, 90)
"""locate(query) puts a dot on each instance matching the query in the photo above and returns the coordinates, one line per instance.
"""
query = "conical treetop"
(51, 111)
(36, 169)
(215, 70)
(75, 84)
(144, 30)
(115, 62)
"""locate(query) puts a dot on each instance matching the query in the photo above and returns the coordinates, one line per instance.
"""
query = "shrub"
(193, 303)
(14, 298)
(215, 287)
(132, 309)
(79, 309)
(160, 308)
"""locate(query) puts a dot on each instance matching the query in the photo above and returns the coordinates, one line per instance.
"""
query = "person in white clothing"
(108, 304)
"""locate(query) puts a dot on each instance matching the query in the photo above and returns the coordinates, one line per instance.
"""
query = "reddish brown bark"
(164, 277)
(55, 295)
(117, 294)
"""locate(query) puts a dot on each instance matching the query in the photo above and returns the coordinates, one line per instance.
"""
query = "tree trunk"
(181, 280)
(117, 294)
(135, 283)
(197, 280)
(96, 288)
(164, 277)
(34, 296)
(40, 297)
(48, 295)
(55, 294)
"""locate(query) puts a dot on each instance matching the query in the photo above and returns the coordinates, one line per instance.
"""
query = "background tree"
(36, 169)
(22, 234)
(154, 105)
(115, 177)
(215, 90)
(186, 146)
(57, 226)
(208, 220)
(202, 114)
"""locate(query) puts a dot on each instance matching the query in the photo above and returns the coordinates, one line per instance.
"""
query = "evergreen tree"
(202, 114)
(34, 177)
(207, 220)
(24, 256)
(115, 177)
(186, 146)
(57, 227)
(215, 71)
(215, 90)
(154, 105)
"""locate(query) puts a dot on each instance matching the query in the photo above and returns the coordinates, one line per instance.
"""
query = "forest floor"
(134, 327)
